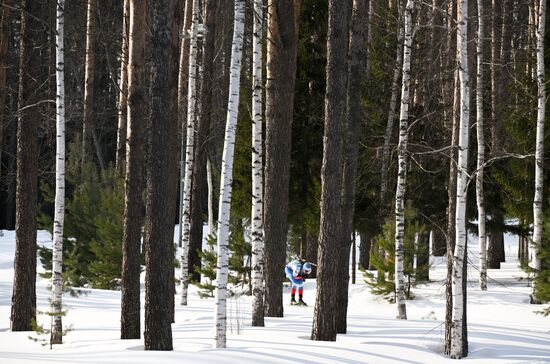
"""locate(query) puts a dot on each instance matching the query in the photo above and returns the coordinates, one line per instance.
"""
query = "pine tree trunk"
(199, 184)
(123, 93)
(480, 197)
(439, 243)
(257, 168)
(423, 257)
(59, 208)
(220, 325)
(495, 71)
(281, 72)
(397, 71)
(5, 23)
(402, 165)
(493, 255)
(88, 122)
(190, 151)
(356, 67)
(324, 320)
(161, 193)
(32, 81)
(456, 346)
(539, 148)
(133, 204)
(364, 251)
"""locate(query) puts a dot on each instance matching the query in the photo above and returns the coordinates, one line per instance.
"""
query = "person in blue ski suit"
(296, 271)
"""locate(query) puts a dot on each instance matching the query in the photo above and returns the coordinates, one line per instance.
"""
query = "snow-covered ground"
(503, 327)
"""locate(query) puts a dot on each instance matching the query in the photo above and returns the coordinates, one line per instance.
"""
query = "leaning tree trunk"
(356, 66)
(189, 151)
(280, 77)
(161, 193)
(457, 321)
(32, 79)
(88, 122)
(220, 325)
(480, 150)
(402, 165)
(123, 92)
(539, 150)
(59, 207)
(257, 169)
(133, 204)
(324, 323)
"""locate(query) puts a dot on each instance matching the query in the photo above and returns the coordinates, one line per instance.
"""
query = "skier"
(296, 272)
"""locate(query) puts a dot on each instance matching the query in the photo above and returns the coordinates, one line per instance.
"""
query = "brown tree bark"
(281, 73)
(198, 194)
(495, 250)
(5, 20)
(32, 89)
(133, 204)
(161, 192)
(423, 257)
(439, 243)
(364, 251)
(123, 93)
(325, 322)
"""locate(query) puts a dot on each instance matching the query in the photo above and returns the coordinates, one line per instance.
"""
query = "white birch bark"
(456, 351)
(189, 152)
(480, 196)
(257, 170)
(402, 165)
(398, 69)
(59, 207)
(123, 92)
(539, 149)
(210, 183)
(220, 325)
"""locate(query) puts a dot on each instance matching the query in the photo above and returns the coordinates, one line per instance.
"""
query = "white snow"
(503, 327)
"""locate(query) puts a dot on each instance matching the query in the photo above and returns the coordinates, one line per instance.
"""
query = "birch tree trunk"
(257, 168)
(89, 117)
(130, 317)
(324, 322)
(190, 151)
(227, 178)
(211, 224)
(123, 93)
(59, 207)
(402, 165)
(480, 197)
(398, 69)
(539, 149)
(457, 347)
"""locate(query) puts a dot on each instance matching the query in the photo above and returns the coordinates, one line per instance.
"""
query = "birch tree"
(539, 149)
(59, 207)
(480, 149)
(220, 325)
(257, 168)
(189, 151)
(457, 320)
(402, 165)
(123, 92)
(89, 68)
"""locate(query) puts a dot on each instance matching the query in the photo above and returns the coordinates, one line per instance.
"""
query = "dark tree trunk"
(523, 251)
(495, 250)
(161, 191)
(5, 22)
(32, 89)
(423, 257)
(199, 173)
(281, 72)
(310, 243)
(88, 122)
(356, 68)
(133, 204)
(439, 243)
(364, 251)
(325, 324)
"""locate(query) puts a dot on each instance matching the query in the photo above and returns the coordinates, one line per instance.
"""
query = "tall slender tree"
(324, 322)
(88, 123)
(32, 78)
(5, 22)
(123, 92)
(402, 164)
(280, 76)
(539, 148)
(356, 69)
(480, 197)
(133, 204)
(222, 271)
(192, 94)
(257, 168)
(457, 346)
(59, 208)
(161, 184)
